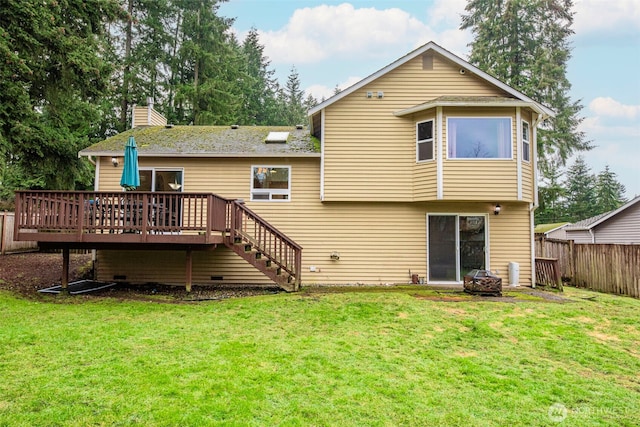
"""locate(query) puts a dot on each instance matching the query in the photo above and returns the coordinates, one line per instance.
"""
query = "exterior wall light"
(335, 256)
(497, 209)
(114, 161)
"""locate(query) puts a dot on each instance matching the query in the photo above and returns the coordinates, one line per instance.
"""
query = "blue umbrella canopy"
(130, 174)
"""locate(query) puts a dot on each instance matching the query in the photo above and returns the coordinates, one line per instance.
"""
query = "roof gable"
(589, 223)
(431, 46)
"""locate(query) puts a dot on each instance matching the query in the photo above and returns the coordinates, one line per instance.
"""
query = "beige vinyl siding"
(364, 142)
(378, 242)
(511, 240)
(145, 116)
(425, 181)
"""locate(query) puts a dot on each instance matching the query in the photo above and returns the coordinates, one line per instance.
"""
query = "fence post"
(3, 232)
(572, 261)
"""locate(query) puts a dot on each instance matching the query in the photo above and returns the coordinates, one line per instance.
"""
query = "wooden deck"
(106, 219)
(156, 221)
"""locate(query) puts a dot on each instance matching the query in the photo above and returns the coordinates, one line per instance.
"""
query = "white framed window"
(526, 142)
(270, 183)
(161, 179)
(424, 141)
(479, 138)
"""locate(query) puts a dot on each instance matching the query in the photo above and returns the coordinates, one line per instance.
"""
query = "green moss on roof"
(543, 228)
(200, 140)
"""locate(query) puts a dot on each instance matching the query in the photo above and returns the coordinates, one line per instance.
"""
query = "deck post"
(189, 264)
(65, 270)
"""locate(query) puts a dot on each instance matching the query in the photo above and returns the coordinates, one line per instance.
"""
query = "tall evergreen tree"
(552, 197)
(525, 43)
(52, 79)
(295, 111)
(609, 192)
(581, 195)
(259, 86)
(208, 66)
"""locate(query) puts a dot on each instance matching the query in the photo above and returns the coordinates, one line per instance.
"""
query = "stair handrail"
(236, 206)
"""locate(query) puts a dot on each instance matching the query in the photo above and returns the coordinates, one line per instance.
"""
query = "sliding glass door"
(164, 180)
(456, 244)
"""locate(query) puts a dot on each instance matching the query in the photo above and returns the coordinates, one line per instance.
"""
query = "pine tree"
(552, 195)
(207, 67)
(259, 86)
(295, 111)
(53, 78)
(609, 192)
(525, 44)
(581, 191)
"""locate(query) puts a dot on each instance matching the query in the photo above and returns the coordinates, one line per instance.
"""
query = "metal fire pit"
(482, 282)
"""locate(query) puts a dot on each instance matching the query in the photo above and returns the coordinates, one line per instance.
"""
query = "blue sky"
(341, 42)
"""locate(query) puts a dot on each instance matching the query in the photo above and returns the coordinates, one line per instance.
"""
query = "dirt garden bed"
(26, 273)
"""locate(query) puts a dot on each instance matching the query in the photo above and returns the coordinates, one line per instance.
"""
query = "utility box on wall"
(514, 273)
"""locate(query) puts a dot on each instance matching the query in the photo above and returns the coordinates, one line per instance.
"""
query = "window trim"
(526, 152)
(432, 140)
(270, 191)
(510, 118)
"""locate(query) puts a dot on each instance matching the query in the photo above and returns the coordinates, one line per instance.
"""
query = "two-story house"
(426, 167)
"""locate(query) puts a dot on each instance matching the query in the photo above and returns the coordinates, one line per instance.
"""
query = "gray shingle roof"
(209, 141)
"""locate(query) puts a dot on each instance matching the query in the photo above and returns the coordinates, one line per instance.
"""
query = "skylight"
(277, 137)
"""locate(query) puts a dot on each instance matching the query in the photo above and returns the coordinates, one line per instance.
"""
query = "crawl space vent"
(277, 137)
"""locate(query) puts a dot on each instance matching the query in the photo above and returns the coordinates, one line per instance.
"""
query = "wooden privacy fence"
(7, 244)
(614, 269)
(609, 268)
(558, 249)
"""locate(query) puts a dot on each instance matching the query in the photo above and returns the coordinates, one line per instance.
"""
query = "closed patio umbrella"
(130, 174)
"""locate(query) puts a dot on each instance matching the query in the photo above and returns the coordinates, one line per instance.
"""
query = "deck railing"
(139, 212)
(548, 272)
(91, 217)
(246, 226)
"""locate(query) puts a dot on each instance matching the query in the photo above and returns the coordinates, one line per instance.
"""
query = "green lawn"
(368, 358)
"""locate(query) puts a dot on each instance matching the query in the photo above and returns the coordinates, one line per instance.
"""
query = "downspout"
(593, 236)
(322, 133)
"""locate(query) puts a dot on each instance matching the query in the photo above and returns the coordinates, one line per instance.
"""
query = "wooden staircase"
(263, 246)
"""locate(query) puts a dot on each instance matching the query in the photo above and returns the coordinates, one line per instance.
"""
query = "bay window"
(479, 138)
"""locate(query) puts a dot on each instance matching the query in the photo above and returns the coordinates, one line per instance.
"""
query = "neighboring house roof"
(589, 223)
(431, 46)
(548, 228)
(209, 141)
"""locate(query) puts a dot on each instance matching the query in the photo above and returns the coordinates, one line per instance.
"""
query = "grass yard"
(324, 358)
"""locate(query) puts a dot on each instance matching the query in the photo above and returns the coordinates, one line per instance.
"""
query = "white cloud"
(314, 34)
(320, 91)
(446, 13)
(606, 16)
(609, 107)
